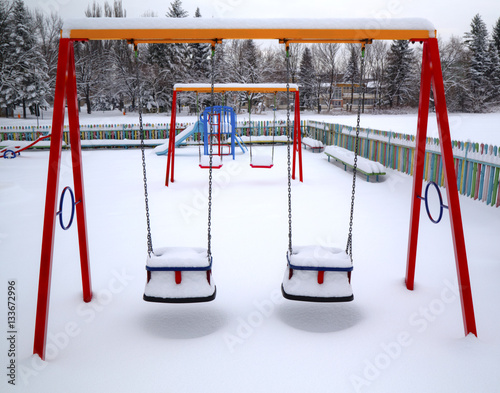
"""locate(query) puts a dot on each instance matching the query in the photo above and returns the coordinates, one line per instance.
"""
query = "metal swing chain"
(145, 178)
(288, 149)
(354, 169)
(212, 81)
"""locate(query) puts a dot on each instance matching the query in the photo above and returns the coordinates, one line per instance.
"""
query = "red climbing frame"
(432, 76)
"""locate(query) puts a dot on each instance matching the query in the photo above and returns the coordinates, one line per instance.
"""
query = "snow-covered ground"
(249, 339)
(482, 128)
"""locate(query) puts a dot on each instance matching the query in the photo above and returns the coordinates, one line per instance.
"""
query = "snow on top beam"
(141, 30)
(223, 87)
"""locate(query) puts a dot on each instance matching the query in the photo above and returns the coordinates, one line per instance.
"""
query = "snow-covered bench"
(346, 157)
(313, 144)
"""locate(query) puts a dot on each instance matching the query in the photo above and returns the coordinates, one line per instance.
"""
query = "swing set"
(222, 88)
(313, 273)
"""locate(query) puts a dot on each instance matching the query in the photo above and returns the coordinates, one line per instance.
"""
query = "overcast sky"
(450, 17)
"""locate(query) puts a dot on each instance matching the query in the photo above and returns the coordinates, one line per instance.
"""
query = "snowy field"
(482, 128)
(249, 339)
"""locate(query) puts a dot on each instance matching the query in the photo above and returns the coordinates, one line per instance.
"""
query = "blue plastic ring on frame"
(73, 204)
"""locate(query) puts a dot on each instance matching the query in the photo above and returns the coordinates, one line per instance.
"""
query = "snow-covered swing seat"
(205, 161)
(179, 275)
(318, 274)
(176, 274)
(260, 161)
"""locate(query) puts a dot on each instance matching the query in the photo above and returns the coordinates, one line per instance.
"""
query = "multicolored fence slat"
(477, 165)
(152, 131)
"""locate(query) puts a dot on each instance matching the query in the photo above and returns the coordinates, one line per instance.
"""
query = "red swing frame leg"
(432, 76)
(297, 138)
(171, 141)
(65, 88)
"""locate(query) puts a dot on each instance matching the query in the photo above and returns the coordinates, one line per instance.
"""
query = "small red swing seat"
(205, 162)
(262, 162)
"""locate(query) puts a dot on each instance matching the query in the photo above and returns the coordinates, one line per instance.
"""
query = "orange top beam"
(169, 30)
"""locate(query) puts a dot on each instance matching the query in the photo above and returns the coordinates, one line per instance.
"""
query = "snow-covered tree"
(376, 59)
(327, 70)
(27, 68)
(48, 30)
(351, 74)
(478, 81)
(493, 72)
(496, 34)
(454, 64)
(176, 11)
(400, 74)
(307, 79)
(199, 59)
(5, 65)
(244, 66)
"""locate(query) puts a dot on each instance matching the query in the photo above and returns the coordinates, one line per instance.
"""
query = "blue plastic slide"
(180, 138)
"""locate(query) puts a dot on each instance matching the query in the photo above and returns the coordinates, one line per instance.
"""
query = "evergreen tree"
(493, 72)
(199, 59)
(477, 43)
(399, 78)
(176, 10)
(28, 69)
(307, 78)
(496, 35)
(170, 61)
(5, 65)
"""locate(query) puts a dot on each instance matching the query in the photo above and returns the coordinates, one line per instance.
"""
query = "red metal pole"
(171, 140)
(294, 142)
(419, 159)
(451, 190)
(76, 155)
(42, 308)
(299, 138)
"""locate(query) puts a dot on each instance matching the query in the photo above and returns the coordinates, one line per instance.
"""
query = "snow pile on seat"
(194, 284)
(319, 256)
(205, 161)
(264, 138)
(312, 142)
(179, 257)
(305, 282)
(347, 156)
(265, 161)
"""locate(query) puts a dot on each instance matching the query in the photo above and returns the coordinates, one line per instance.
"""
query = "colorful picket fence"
(131, 131)
(477, 165)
